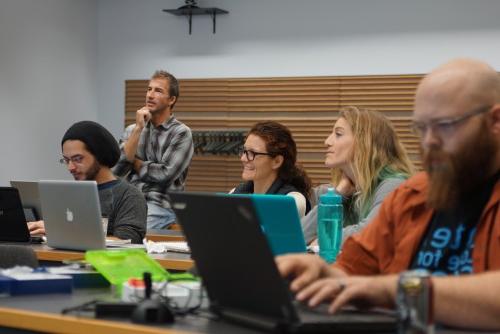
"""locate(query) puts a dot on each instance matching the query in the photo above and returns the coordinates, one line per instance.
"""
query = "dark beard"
(459, 173)
(93, 171)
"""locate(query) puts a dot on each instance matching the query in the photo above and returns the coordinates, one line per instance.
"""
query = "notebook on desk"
(72, 214)
(241, 278)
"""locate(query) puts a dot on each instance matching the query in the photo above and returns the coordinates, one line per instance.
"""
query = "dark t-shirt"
(446, 248)
(126, 209)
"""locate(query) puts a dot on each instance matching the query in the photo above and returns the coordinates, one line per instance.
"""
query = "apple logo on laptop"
(69, 215)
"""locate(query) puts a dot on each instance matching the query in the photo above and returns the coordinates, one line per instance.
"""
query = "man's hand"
(142, 116)
(37, 227)
(304, 269)
(360, 291)
(130, 146)
(137, 165)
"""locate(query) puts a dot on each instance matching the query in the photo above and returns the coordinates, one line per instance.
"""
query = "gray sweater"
(126, 209)
(309, 222)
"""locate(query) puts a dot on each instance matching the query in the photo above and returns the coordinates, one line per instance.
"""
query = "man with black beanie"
(90, 151)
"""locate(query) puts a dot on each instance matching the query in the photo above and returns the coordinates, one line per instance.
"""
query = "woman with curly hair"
(269, 159)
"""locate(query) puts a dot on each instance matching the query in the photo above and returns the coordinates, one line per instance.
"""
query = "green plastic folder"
(118, 266)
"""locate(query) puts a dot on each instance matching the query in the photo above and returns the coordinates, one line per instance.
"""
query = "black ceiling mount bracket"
(190, 9)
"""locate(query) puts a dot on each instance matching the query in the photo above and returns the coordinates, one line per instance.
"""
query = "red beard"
(453, 176)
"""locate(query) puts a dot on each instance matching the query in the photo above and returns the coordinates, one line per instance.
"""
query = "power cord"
(177, 309)
(84, 307)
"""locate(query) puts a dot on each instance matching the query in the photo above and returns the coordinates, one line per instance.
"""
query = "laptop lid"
(232, 254)
(12, 220)
(72, 214)
(30, 198)
(280, 222)
(237, 266)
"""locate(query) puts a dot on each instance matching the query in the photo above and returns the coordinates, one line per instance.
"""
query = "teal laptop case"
(280, 222)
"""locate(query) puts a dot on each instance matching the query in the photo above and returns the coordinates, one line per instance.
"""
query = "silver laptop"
(72, 214)
(28, 190)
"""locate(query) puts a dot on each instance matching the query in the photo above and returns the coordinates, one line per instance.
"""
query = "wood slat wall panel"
(307, 105)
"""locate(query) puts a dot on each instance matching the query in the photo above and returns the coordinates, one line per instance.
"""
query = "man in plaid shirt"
(156, 151)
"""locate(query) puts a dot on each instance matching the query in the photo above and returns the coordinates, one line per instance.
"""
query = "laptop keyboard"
(313, 315)
(320, 315)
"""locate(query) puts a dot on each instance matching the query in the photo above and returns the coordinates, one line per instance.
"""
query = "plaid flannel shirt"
(166, 152)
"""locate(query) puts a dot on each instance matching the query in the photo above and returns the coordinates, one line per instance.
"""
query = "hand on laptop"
(360, 291)
(37, 227)
(304, 269)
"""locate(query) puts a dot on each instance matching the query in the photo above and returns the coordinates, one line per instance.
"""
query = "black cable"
(148, 285)
(84, 307)
(184, 310)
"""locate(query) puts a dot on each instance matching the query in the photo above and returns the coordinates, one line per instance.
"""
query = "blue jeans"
(159, 217)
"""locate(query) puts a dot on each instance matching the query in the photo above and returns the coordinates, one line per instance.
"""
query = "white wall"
(48, 77)
(287, 38)
(66, 60)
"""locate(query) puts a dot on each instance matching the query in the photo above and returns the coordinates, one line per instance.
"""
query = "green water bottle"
(330, 217)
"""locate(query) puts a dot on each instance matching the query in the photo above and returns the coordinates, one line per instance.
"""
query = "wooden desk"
(56, 323)
(36, 313)
(165, 235)
(169, 261)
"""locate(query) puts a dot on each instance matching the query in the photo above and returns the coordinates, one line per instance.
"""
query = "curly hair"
(279, 141)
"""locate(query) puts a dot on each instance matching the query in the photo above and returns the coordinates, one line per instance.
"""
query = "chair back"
(17, 255)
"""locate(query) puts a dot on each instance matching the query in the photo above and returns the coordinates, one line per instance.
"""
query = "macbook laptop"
(279, 219)
(238, 269)
(13, 227)
(28, 190)
(72, 214)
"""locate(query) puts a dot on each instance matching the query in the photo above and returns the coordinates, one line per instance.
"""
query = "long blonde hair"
(377, 154)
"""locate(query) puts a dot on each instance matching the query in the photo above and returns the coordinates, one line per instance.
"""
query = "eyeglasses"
(252, 154)
(444, 127)
(76, 159)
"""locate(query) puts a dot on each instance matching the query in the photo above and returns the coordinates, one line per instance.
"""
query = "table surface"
(165, 235)
(35, 313)
(169, 260)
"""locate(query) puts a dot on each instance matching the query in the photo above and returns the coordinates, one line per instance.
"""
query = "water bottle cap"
(330, 197)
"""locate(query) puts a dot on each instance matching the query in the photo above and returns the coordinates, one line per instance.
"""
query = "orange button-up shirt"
(389, 243)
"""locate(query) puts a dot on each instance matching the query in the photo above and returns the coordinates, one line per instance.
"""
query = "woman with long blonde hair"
(367, 160)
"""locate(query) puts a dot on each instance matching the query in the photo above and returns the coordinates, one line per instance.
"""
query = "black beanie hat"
(99, 141)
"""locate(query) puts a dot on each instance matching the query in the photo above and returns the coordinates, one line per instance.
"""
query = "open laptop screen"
(232, 254)
(72, 214)
(279, 220)
(12, 221)
(30, 198)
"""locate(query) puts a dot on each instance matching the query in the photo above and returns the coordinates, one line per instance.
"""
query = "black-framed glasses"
(445, 126)
(76, 159)
(252, 154)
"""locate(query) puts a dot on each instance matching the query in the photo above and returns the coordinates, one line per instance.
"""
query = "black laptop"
(30, 198)
(13, 227)
(236, 264)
